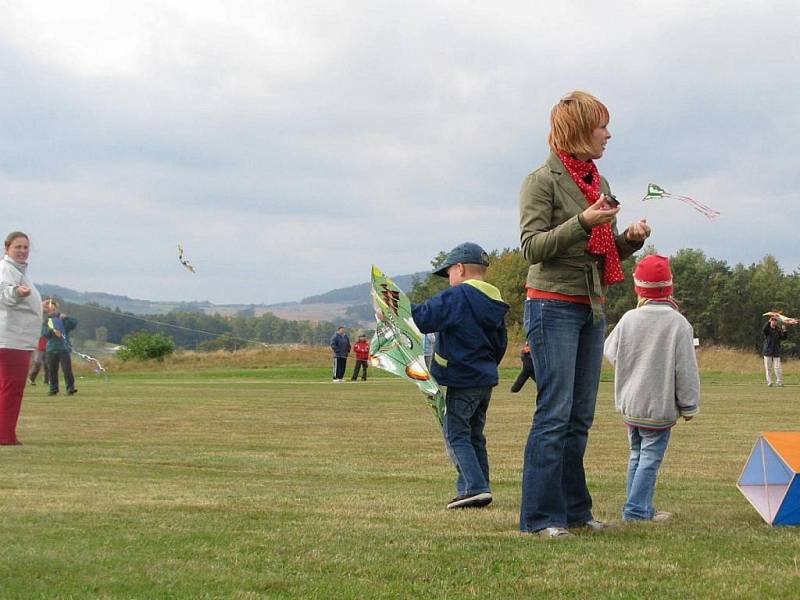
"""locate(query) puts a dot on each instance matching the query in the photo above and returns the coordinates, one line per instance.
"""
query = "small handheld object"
(612, 199)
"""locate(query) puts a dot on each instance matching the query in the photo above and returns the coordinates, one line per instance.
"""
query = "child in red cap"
(656, 380)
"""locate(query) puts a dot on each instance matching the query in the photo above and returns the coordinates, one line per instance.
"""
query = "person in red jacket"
(361, 348)
(39, 362)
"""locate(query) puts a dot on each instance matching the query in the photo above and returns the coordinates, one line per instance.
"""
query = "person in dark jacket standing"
(361, 348)
(340, 344)
(774, 332)
(527, 369)
(469, 317)
(56, 329)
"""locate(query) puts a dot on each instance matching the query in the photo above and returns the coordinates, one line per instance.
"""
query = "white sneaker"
(661, 515)
(554, 533)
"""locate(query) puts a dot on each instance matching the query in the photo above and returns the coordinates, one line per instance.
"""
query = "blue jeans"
(567, 350)
(463, 434)
(647, 452)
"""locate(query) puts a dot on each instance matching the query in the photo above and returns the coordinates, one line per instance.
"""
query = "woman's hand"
(638, 232)
(602, 211)
(23, 291)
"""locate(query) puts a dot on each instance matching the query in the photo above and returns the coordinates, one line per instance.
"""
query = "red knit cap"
(652, 277)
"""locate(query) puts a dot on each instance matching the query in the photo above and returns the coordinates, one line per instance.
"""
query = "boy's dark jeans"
(463, 432)
(60, 358)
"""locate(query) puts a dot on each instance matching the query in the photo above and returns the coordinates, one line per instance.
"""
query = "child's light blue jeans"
(647, 451)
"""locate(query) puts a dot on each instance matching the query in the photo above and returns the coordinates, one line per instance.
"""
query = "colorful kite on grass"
(654, 192)
(184, 261)
(783, 319)
(397, 344)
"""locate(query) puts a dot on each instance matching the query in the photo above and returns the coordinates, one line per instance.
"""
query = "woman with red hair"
(20, 322)
(569, 238)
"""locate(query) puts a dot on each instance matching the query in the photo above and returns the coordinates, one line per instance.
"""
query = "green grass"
(279, 484)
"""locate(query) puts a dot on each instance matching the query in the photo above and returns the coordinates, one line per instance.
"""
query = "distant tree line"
(723, 303)
(196, 330)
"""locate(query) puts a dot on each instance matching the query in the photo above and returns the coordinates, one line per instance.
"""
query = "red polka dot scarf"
(601, 240)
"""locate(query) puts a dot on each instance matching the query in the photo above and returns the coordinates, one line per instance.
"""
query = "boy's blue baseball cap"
(468, 253)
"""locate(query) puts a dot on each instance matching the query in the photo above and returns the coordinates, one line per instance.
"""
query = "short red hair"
(573, 120)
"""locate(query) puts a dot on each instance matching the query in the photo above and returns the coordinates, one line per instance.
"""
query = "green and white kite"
(397, 344)
(655, 192)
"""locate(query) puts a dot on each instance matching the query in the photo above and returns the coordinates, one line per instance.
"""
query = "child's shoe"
(661, 515)
(471, 500)
(554, 533)
(595, 526)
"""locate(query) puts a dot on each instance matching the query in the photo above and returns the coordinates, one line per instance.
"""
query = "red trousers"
(13, 373)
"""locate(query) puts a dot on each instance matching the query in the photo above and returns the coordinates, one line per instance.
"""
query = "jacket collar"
(21, 267)
(487, 288)
(565, 182)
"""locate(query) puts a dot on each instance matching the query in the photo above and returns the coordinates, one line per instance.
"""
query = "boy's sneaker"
(662, 515)
(554, 533)
(52, 393)
(595, 526)
(72, 391)
(471, 500)
(31, 381)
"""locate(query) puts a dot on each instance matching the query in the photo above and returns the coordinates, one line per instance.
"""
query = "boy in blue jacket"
(469, 317)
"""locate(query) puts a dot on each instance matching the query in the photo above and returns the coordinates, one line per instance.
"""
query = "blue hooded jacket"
(471, 339)
(340, 344)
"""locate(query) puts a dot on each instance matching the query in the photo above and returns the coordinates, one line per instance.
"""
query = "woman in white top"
(20, 325)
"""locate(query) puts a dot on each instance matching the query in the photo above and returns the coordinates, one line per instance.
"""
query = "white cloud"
(290, 145)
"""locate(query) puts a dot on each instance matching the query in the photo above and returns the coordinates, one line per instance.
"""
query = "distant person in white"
(20, 320)
(774, 332)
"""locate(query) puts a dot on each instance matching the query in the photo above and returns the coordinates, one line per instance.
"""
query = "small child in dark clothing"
(469, 317)
(56, 329)
(527, 369)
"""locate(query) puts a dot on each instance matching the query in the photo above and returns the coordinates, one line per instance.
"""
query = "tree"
(507, 272)
(146, 346)
(429, 286)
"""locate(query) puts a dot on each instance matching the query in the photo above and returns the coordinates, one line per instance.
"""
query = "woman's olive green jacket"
(553, 240)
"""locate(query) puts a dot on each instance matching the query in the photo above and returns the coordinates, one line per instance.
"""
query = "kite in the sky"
(655, 192)
(184, 261)
(397, 344)
(783, 319)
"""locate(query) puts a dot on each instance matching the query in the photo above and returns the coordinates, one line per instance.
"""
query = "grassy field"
(276, 483)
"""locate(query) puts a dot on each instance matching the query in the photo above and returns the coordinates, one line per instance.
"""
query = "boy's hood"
(485, 300)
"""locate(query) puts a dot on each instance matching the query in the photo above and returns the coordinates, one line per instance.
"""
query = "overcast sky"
(289, 145)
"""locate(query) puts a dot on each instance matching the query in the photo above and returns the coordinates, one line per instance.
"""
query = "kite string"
(706, 210)
(181, 327)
